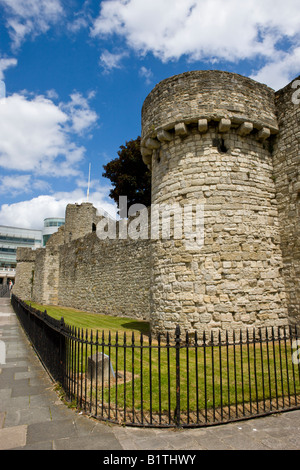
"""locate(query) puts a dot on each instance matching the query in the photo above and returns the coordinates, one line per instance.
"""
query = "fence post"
(177, 348)
(62, 353)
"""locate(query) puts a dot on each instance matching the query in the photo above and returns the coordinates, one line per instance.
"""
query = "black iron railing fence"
(180, 381)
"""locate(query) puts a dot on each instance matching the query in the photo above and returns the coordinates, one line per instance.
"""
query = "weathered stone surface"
(163, 136)
(215, 140)
(79, 222)
(181, 129)
(264, 133)
(100, 367)
(235, 279)
(245, 128)
(25, 272)
(152, 144)
(224, 125)
(208, 94)
(106, 276)
(101, 276)
(287, 182)
(202, 125)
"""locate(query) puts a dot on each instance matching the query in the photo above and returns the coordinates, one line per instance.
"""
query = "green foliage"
(129, 175)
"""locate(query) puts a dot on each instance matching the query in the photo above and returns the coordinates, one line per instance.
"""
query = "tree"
(129, 175)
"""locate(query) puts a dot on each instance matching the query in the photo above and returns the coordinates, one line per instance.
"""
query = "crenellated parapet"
(206, 99)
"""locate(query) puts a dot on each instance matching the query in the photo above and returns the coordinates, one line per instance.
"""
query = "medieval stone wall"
(101, 276)
(109, 277)
(46, 276)
(286, 158)
(25, 273)
(46, 271)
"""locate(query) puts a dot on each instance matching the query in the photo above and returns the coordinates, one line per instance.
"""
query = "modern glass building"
(51, 225)
(12, 238)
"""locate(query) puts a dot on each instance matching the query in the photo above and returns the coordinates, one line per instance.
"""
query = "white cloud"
(77, 24)
(80, 19)
(36, 134)
(280, 71)
(51, 94)
(211, 30)
(30, 17)
(16, 184)
(147, 74)
(110, 61)
(80, 113)
(31, 213)
(5, 63)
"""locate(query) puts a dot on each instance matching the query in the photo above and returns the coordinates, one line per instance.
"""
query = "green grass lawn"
(94, 321)
(211, 377)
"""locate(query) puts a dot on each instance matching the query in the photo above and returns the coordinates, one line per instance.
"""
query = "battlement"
(25, 255)
(203, 99)
(81, 219)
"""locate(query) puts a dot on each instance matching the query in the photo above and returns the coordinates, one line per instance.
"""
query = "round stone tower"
(207, 136)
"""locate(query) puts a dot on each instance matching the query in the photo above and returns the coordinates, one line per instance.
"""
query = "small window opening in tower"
(220, 144)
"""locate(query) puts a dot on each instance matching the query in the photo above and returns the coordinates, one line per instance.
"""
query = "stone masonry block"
(245, 128)
(152, 144)
(202, 125)
(181, 129)
(224, 125)
(146, 155)
(164, 136)
(99, 364)
(264, 133)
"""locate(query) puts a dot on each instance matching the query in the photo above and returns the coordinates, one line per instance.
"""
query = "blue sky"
(77, 73)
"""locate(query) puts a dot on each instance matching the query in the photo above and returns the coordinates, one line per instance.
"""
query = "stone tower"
(81, 219)
(286, 160)
(207, 137)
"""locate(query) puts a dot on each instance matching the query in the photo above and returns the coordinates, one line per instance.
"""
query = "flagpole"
(88, 189)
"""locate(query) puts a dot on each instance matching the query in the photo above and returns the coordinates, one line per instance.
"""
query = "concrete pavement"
(32, 416)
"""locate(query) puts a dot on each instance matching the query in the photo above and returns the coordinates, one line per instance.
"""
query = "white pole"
(88, 190)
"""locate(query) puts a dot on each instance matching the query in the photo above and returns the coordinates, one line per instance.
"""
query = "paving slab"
(13, 437)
